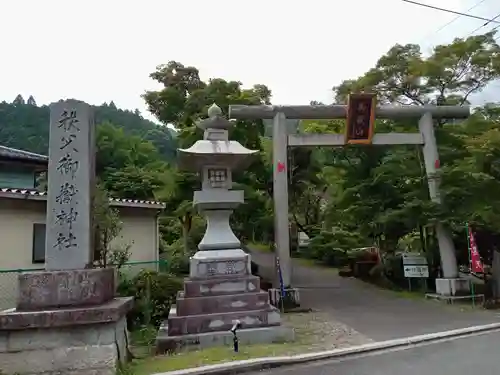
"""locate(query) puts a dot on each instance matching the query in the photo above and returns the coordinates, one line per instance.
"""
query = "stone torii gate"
(359, 130)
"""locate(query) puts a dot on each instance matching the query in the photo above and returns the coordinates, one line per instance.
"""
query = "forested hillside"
(25, 125)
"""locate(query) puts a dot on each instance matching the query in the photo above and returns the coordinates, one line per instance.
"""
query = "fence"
(9, 279)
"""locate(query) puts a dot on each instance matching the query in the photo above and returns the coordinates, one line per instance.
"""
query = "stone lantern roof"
(215, 149)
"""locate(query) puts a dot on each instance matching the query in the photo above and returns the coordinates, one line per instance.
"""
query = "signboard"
(416, 271)
(360, 118)
(415, 266)
(414, 258)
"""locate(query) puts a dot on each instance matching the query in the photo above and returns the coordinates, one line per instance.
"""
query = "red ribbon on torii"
(281, 167)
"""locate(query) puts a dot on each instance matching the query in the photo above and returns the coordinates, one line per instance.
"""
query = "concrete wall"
(17, 217)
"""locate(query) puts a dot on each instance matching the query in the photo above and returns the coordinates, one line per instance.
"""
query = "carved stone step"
(221, 304)
(221, 286)
(180, 325)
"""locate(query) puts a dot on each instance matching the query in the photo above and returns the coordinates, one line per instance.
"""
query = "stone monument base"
(452, 287)
(66, 323)
(77, 341)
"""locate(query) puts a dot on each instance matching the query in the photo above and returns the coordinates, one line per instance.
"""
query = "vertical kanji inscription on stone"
(70, 186)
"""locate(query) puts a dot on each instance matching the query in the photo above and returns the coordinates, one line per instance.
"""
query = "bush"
(177, 260)
(331, 247)
(390, 273)
(153, 292)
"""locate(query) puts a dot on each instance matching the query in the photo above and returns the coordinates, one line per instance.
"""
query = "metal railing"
(9, 278)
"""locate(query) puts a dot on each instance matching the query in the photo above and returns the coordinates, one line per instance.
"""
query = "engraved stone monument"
(70, 184)
(67, 319)
(220, 289)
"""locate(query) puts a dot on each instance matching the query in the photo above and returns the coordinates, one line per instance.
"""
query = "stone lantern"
(221, 289)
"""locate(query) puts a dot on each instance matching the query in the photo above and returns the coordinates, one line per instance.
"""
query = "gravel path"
(318, 331)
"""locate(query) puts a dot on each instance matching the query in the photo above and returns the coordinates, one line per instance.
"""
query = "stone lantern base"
(219, 292)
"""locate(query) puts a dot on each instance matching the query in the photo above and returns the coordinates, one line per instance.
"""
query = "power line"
(451, 11)
(457, 17)
(450, 22)
(497, 39)
(486, 24)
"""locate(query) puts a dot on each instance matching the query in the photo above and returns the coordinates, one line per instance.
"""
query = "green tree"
(450, 75)
(107, 228)
(381, 192)
(182, 101)
(129, 166)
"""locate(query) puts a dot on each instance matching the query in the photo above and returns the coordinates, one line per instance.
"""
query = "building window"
(38, 251)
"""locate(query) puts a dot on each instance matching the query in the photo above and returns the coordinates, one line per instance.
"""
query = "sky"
(103, 50)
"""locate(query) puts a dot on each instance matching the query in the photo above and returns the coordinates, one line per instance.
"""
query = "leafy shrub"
(178, 262)
(390, 273)
(393, 269)
(177, 259)
(331, 247)
(153, 292)
(176, 255)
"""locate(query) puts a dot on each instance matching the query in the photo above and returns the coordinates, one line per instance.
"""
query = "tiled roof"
(42, 195)
(14, 153)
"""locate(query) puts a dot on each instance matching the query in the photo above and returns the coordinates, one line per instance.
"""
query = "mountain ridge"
(25, 125)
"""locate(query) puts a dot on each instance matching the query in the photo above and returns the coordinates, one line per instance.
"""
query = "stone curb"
(271, 362)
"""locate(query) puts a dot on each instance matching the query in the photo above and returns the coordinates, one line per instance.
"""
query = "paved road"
(378, 314)
(464, 356)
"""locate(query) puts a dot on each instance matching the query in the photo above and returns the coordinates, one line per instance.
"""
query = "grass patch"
(145, 336)
(262, 247)
(305, 340)
(208, 356)
(408, 295)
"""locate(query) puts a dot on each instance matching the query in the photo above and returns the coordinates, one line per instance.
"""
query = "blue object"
(282, 286)
(235, 343)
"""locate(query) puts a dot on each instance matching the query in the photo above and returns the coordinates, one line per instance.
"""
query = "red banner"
(476, 265)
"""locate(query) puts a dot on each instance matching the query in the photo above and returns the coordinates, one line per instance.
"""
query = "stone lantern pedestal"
(220, 290)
